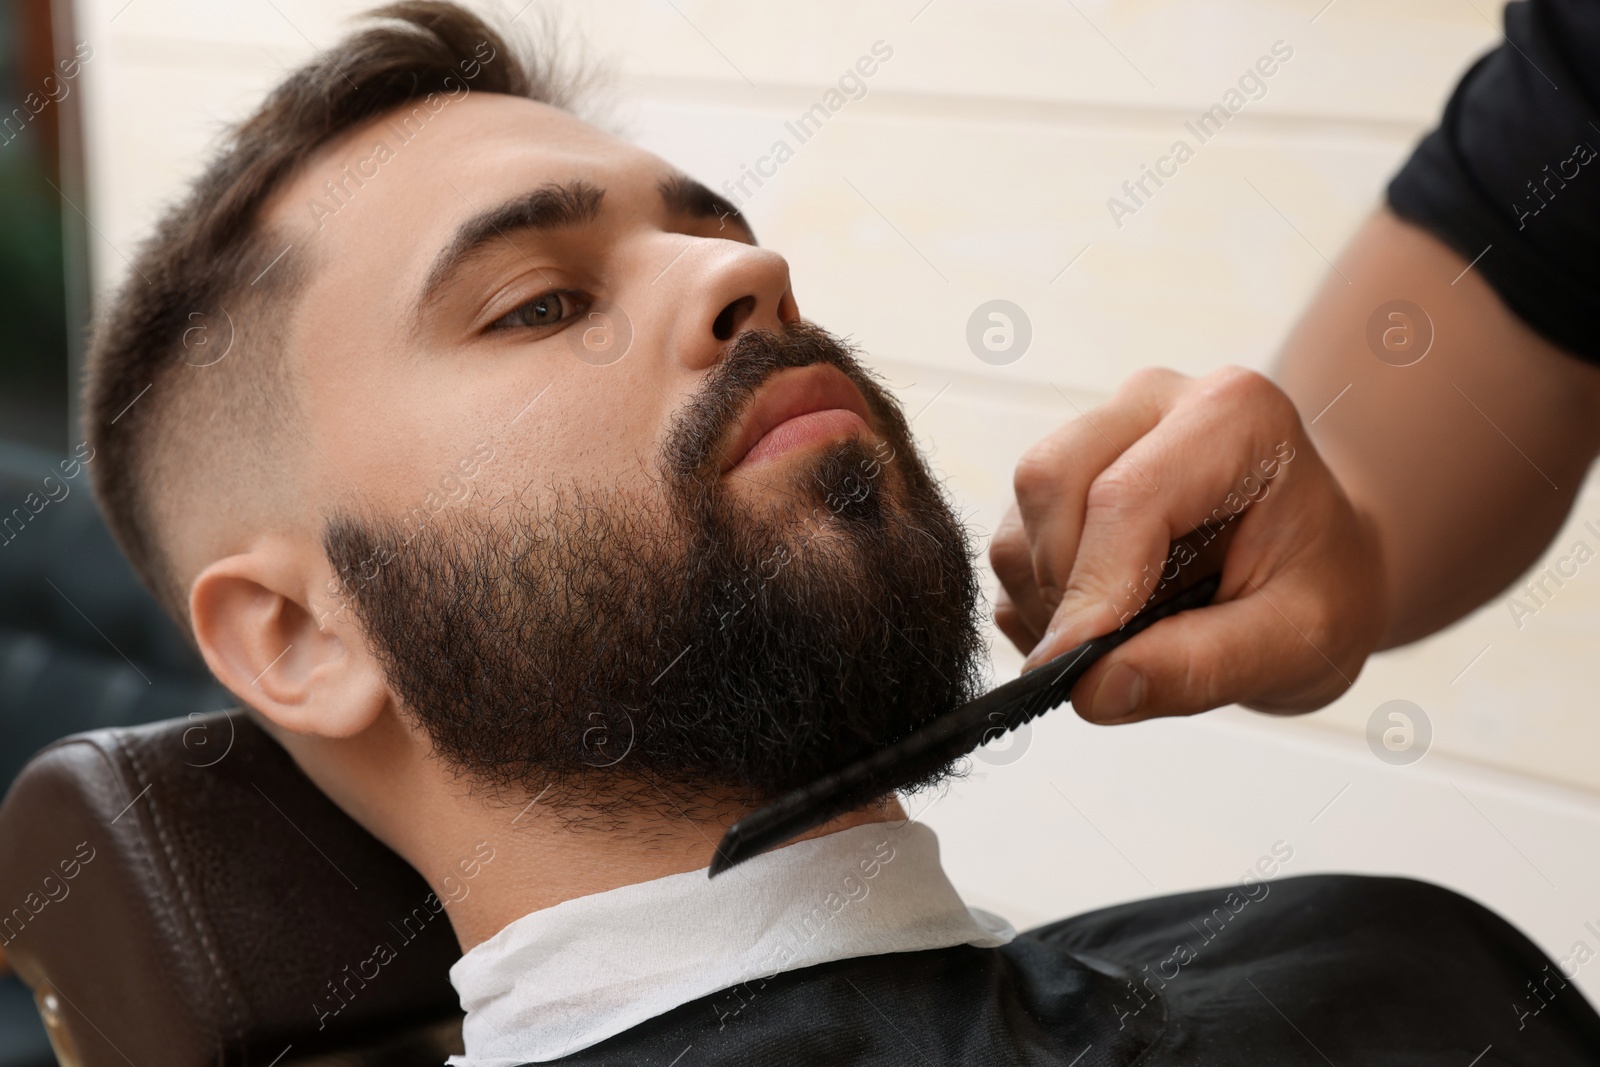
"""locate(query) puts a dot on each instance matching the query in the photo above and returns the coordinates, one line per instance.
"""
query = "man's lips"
(797, 407)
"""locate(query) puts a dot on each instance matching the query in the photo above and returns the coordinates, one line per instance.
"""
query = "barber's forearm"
(1466, 461)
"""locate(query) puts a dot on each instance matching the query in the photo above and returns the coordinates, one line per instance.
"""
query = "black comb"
(947, 736)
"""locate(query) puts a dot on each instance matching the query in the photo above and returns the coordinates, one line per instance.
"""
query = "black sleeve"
(1514, 168)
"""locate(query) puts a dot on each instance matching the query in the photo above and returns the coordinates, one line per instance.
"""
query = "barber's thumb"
(1118, 694)
(1180, 666)
(1077, 618)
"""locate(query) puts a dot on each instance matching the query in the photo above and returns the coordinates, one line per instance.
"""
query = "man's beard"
(608, 653)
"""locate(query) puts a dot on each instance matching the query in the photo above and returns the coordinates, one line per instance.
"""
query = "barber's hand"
(1098, 501)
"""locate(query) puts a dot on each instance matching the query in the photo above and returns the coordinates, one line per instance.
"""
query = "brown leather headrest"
(181, 894)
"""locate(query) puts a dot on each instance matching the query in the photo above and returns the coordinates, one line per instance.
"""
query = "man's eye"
(546, 309)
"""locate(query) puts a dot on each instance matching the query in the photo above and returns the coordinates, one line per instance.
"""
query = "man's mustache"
(693, 450)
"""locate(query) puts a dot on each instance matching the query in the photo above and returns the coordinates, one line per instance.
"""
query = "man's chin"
(827, 486)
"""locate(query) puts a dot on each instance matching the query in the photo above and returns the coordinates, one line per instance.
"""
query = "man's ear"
(279, 644)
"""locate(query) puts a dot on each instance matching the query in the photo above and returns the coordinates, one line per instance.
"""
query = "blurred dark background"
(33, 277)
(82, 646)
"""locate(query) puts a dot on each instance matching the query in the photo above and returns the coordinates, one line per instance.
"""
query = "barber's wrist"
(1384, 609)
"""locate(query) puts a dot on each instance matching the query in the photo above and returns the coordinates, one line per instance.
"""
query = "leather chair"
(180, 894)
(212, 924)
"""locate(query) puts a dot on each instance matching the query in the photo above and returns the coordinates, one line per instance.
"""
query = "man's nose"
(716, 290)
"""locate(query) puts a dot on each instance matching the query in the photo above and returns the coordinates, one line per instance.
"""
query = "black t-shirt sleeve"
(1514, 168)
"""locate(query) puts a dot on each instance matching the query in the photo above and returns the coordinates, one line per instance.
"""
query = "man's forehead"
(432, 162)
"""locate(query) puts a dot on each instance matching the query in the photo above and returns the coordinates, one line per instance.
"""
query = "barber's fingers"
(1009, 621)
(1019, 612)
(1053, 478)
(1191, 467)
(1300, 604)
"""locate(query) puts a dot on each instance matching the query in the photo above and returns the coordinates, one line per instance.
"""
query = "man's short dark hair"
(186, 393)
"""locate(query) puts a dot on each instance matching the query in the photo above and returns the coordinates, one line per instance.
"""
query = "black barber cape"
(1323, 969)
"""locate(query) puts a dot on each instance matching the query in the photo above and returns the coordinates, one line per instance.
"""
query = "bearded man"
(489, 460)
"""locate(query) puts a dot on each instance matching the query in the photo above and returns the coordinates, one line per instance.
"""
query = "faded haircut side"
(188, 401)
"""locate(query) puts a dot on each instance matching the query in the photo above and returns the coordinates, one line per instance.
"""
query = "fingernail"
(1119, 694)
(1041, 651)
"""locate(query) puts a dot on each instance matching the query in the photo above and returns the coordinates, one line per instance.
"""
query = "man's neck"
(491, 863)
(541, 860)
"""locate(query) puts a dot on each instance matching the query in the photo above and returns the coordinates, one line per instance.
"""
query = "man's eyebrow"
(545, 208)
(685, 196)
